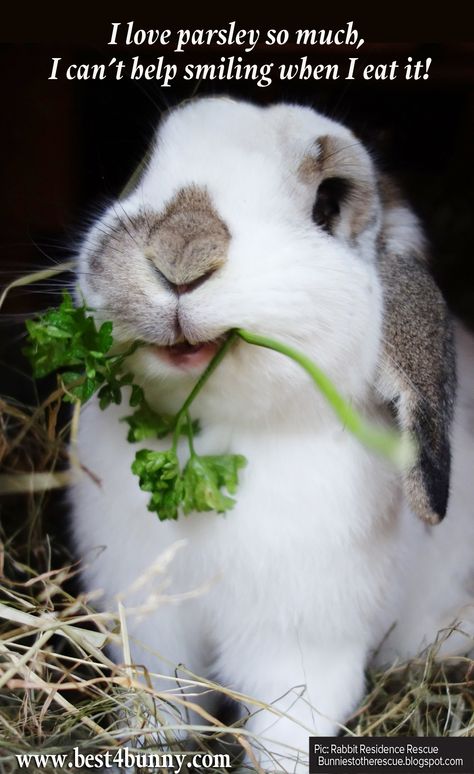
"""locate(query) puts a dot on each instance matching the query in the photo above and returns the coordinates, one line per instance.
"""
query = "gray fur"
(419, 360)
(338, 157)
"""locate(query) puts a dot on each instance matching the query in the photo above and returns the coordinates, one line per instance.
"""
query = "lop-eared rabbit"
(276, 219)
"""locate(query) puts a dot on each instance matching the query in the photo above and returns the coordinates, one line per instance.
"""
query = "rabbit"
(278, 220)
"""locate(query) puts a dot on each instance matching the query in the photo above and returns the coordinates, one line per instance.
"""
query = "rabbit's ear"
(418, 370)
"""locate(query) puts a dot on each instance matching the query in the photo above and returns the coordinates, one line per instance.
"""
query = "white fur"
(320, 556)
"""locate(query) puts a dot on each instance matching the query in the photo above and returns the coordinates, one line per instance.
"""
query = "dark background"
(69, 146)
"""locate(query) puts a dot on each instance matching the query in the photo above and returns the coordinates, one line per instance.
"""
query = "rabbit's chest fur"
(302, 529)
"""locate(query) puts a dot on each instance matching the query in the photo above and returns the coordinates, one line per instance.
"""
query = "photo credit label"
(386, 755)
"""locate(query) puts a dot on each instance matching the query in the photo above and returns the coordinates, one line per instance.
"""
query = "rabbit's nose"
(188, 241)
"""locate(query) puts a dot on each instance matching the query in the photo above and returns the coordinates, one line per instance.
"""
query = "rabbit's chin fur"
(321, 562)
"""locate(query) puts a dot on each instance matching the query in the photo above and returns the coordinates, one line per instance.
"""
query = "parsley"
(67, 340)
(198, 487)
(204, 478)
(159, 474)
(399, 448)
(146, 423)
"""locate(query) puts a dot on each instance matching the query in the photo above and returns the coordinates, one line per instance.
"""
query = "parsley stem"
(216, 360)
(190, 434)
(177, 429)
(120, 356)
(399, 448)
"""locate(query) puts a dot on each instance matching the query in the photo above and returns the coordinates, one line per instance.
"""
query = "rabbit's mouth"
(185, 355)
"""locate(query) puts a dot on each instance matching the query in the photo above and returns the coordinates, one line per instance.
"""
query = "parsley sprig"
(204, 480)
(399, 448)
(67, 340)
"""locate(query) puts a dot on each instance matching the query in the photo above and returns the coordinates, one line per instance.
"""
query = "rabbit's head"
(273, 219)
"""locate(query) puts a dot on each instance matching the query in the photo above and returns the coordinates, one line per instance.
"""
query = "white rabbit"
(277, 220)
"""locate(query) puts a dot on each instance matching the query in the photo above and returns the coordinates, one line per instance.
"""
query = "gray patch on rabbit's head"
(419, 363)
(347, 160)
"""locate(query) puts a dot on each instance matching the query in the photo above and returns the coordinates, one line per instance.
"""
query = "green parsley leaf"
(196, 488)
(146, 423)
(159, 474)
(67, 336)
(204, 478)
